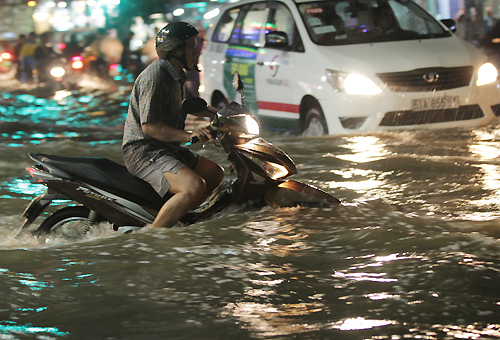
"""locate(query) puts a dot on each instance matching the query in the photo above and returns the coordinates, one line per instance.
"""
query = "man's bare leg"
(212, 173)
(188, 189)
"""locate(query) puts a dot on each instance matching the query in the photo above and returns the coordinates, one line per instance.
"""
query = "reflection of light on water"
(26, 279)
(355, 185)
(382, 296)
(491, 177)
(61, 94)
(374, 277)
(259, 292)
(391, 257)
(278, 237)
(471, 331)
(485, 151)
(273, 320)
(266, 283)
(365, 149)
(361, 323)
(360, 185)
(25, 187)
(10, 327)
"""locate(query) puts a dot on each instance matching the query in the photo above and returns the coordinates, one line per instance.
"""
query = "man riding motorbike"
(154, 128)
(44, 56)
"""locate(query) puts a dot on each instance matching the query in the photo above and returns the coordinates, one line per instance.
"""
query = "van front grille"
(402, 118)
(428, 79)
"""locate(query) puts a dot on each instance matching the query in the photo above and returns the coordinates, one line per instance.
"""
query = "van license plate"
(425, 104)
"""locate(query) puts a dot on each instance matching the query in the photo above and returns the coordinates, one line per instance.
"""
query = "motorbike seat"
(106, 174)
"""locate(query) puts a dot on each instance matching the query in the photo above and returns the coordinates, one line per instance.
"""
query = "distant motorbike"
(60, 72)
(105, 191)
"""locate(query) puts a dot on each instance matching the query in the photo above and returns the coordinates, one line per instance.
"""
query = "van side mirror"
(277, 39)
(451, 24)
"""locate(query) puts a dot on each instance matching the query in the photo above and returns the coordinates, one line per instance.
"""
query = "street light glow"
(212, 14)
(178, 12)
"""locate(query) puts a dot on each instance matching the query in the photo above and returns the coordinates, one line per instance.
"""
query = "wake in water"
(12, 237)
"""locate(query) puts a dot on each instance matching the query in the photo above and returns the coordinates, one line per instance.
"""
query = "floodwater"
(413, 252)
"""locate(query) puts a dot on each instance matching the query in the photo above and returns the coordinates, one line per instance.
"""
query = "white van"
(346, 66)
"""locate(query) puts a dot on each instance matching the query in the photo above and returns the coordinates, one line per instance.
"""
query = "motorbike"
(102, 190)
(60, 72)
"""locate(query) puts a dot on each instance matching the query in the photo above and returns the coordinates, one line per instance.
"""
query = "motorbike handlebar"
(196, 139)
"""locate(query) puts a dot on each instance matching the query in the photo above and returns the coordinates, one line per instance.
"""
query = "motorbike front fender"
(292, 193)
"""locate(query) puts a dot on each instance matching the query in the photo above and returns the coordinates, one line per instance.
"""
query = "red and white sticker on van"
(314, 10)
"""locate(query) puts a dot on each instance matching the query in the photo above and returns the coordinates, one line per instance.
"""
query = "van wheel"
(315, 123)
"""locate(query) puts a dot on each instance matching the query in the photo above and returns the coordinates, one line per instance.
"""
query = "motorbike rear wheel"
(69, 222)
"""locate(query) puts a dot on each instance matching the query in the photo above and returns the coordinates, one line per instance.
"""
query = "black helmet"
(172, 36)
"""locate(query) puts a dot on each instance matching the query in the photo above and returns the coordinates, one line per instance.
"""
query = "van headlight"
(486, 74)
(352, 83)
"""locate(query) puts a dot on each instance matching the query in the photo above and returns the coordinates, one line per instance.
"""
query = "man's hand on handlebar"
(201, 135)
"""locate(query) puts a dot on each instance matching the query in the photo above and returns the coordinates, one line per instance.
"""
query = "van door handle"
(260, 63)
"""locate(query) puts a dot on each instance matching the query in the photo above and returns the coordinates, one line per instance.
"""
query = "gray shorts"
(153, 173)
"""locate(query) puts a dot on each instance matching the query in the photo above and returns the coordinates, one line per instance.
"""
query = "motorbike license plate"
(424, 104)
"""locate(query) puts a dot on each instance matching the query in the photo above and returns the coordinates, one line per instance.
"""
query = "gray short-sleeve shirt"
(156, 97)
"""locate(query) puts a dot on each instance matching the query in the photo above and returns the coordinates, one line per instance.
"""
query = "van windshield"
(346, 22)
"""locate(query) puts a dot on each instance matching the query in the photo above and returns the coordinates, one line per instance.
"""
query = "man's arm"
(164, 132)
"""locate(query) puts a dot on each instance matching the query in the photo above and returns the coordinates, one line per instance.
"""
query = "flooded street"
(412, 252)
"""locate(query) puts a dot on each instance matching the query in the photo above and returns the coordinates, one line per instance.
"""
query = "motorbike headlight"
(252, 125)
(352, 83)
(57, 72)
(486, 74)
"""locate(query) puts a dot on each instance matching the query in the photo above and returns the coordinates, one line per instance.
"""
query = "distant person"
(385, 20)
(73, 47)
(27, 58)
(44, 54)
(491, 44)
(126, 54)
(92, 54)
(21, 40)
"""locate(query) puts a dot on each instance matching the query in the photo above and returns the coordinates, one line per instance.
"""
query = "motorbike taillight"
(31, 171)
(6, 56)
(77, 62)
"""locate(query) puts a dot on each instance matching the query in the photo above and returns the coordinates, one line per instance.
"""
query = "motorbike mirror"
(193, 105)
(237, 82)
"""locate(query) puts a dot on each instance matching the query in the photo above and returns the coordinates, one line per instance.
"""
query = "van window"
(223, 30)
(249, 32)
(280, 19)
(345, 22)
(409, 20)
